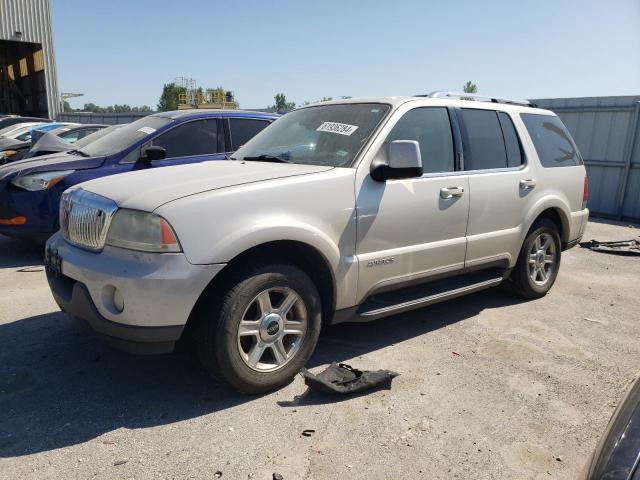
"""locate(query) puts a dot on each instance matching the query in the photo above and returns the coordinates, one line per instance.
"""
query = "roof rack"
(475, 96)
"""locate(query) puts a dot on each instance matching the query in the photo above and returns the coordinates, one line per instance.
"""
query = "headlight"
(40, 181)
(7, 154)
(142, 231)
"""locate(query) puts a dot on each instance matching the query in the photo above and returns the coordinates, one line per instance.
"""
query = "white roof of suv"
(447, 98)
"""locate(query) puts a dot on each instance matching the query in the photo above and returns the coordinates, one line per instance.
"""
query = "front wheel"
(263, 330)
(539, 261)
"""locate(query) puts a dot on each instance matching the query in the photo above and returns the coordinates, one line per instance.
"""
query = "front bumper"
(157, 292)
(28, 214)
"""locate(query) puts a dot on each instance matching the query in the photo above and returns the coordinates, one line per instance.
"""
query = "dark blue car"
(30, 189)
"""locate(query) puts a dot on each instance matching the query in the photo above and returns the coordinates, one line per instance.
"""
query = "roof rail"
(475, 96)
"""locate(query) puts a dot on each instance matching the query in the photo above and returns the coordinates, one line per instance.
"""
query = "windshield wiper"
(78, 152)
(265, 158)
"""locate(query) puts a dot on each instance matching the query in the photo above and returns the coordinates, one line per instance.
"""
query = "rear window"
(482, 138)
(552, 140)
(244, 129)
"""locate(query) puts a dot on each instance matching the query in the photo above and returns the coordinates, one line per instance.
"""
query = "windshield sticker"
(339, 128)
(147, 130)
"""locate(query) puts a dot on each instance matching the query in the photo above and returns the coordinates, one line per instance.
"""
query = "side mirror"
(404, 161)
(153, 153)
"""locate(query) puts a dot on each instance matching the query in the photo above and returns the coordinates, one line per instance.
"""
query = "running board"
(400, 301)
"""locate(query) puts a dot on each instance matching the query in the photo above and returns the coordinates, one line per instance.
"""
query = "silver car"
(347, 210)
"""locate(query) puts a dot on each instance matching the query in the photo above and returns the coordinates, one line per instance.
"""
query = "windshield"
(124, 137)
(329, 135)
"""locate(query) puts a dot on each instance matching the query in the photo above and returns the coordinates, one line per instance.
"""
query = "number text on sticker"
(339, 128)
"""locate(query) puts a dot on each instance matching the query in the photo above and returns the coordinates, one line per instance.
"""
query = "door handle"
(527, 184)
(450, 192)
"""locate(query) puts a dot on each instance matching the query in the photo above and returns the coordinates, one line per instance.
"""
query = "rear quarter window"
(552, 140)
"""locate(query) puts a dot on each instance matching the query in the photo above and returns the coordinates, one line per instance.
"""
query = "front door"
(412, 229)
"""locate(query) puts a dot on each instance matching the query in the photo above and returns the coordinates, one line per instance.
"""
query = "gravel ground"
(491, 387)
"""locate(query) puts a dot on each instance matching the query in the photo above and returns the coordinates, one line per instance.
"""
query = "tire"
(254, 302)
(527, 280)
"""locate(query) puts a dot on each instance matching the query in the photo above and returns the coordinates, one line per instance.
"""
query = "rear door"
(503, 186)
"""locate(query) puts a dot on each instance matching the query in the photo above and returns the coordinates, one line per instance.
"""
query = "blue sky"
(122, 51)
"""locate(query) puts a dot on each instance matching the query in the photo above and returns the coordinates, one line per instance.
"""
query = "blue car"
(30, 189)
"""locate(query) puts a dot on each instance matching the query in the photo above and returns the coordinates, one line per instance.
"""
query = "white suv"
(349, 210)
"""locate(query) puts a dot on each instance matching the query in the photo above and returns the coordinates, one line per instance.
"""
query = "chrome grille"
(85, 218)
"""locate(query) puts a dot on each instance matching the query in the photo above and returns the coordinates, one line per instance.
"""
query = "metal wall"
(606, 131)
(104, 118)
(32, 18)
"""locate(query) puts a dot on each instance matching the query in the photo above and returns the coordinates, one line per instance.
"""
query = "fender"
(344, 268)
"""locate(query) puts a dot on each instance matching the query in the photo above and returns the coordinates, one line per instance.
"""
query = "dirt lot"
(526, 394)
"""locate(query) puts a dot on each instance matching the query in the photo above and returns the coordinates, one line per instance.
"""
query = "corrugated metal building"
(606, 130)
(28, 82)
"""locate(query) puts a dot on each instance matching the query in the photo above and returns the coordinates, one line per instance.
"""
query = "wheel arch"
(559, 219)
(555, 211)
(297, 253)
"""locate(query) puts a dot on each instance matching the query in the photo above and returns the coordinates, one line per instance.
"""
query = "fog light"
(112, 299)
(118, 301)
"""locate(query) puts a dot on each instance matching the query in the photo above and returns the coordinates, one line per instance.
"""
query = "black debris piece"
(622, 247)
(308, 432)
(341, 378)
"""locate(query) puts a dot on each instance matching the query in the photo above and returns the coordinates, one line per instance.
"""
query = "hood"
(6, 143)
(50, 143)
(148, 189)
(47, 163)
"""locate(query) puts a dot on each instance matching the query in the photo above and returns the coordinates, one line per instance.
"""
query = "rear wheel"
(263, 330)
(539, 261)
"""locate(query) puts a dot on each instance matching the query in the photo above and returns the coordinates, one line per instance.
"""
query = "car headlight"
(146, 232)
(41, 180)
(7, 154)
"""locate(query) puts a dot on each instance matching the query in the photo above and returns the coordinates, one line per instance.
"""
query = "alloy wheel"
(542, 259)
(272, 329)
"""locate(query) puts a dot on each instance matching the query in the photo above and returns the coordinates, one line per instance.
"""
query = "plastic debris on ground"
(622, 247)
(344, 379)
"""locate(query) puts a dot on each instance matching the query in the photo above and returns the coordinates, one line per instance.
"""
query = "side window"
(553, 142)
(199, 137)
(511, 141)
(71, 137)
(482, 139)
(76, 135)
(431, 128)
(244, 129)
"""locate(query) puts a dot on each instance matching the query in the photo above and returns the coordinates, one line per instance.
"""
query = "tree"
(93, 108)
(282, 104)
(170, 97)
(470, 87)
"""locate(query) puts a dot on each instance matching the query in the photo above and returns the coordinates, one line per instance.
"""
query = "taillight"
(585, 192)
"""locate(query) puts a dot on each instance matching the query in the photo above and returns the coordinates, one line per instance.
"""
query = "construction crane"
(64, 96)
